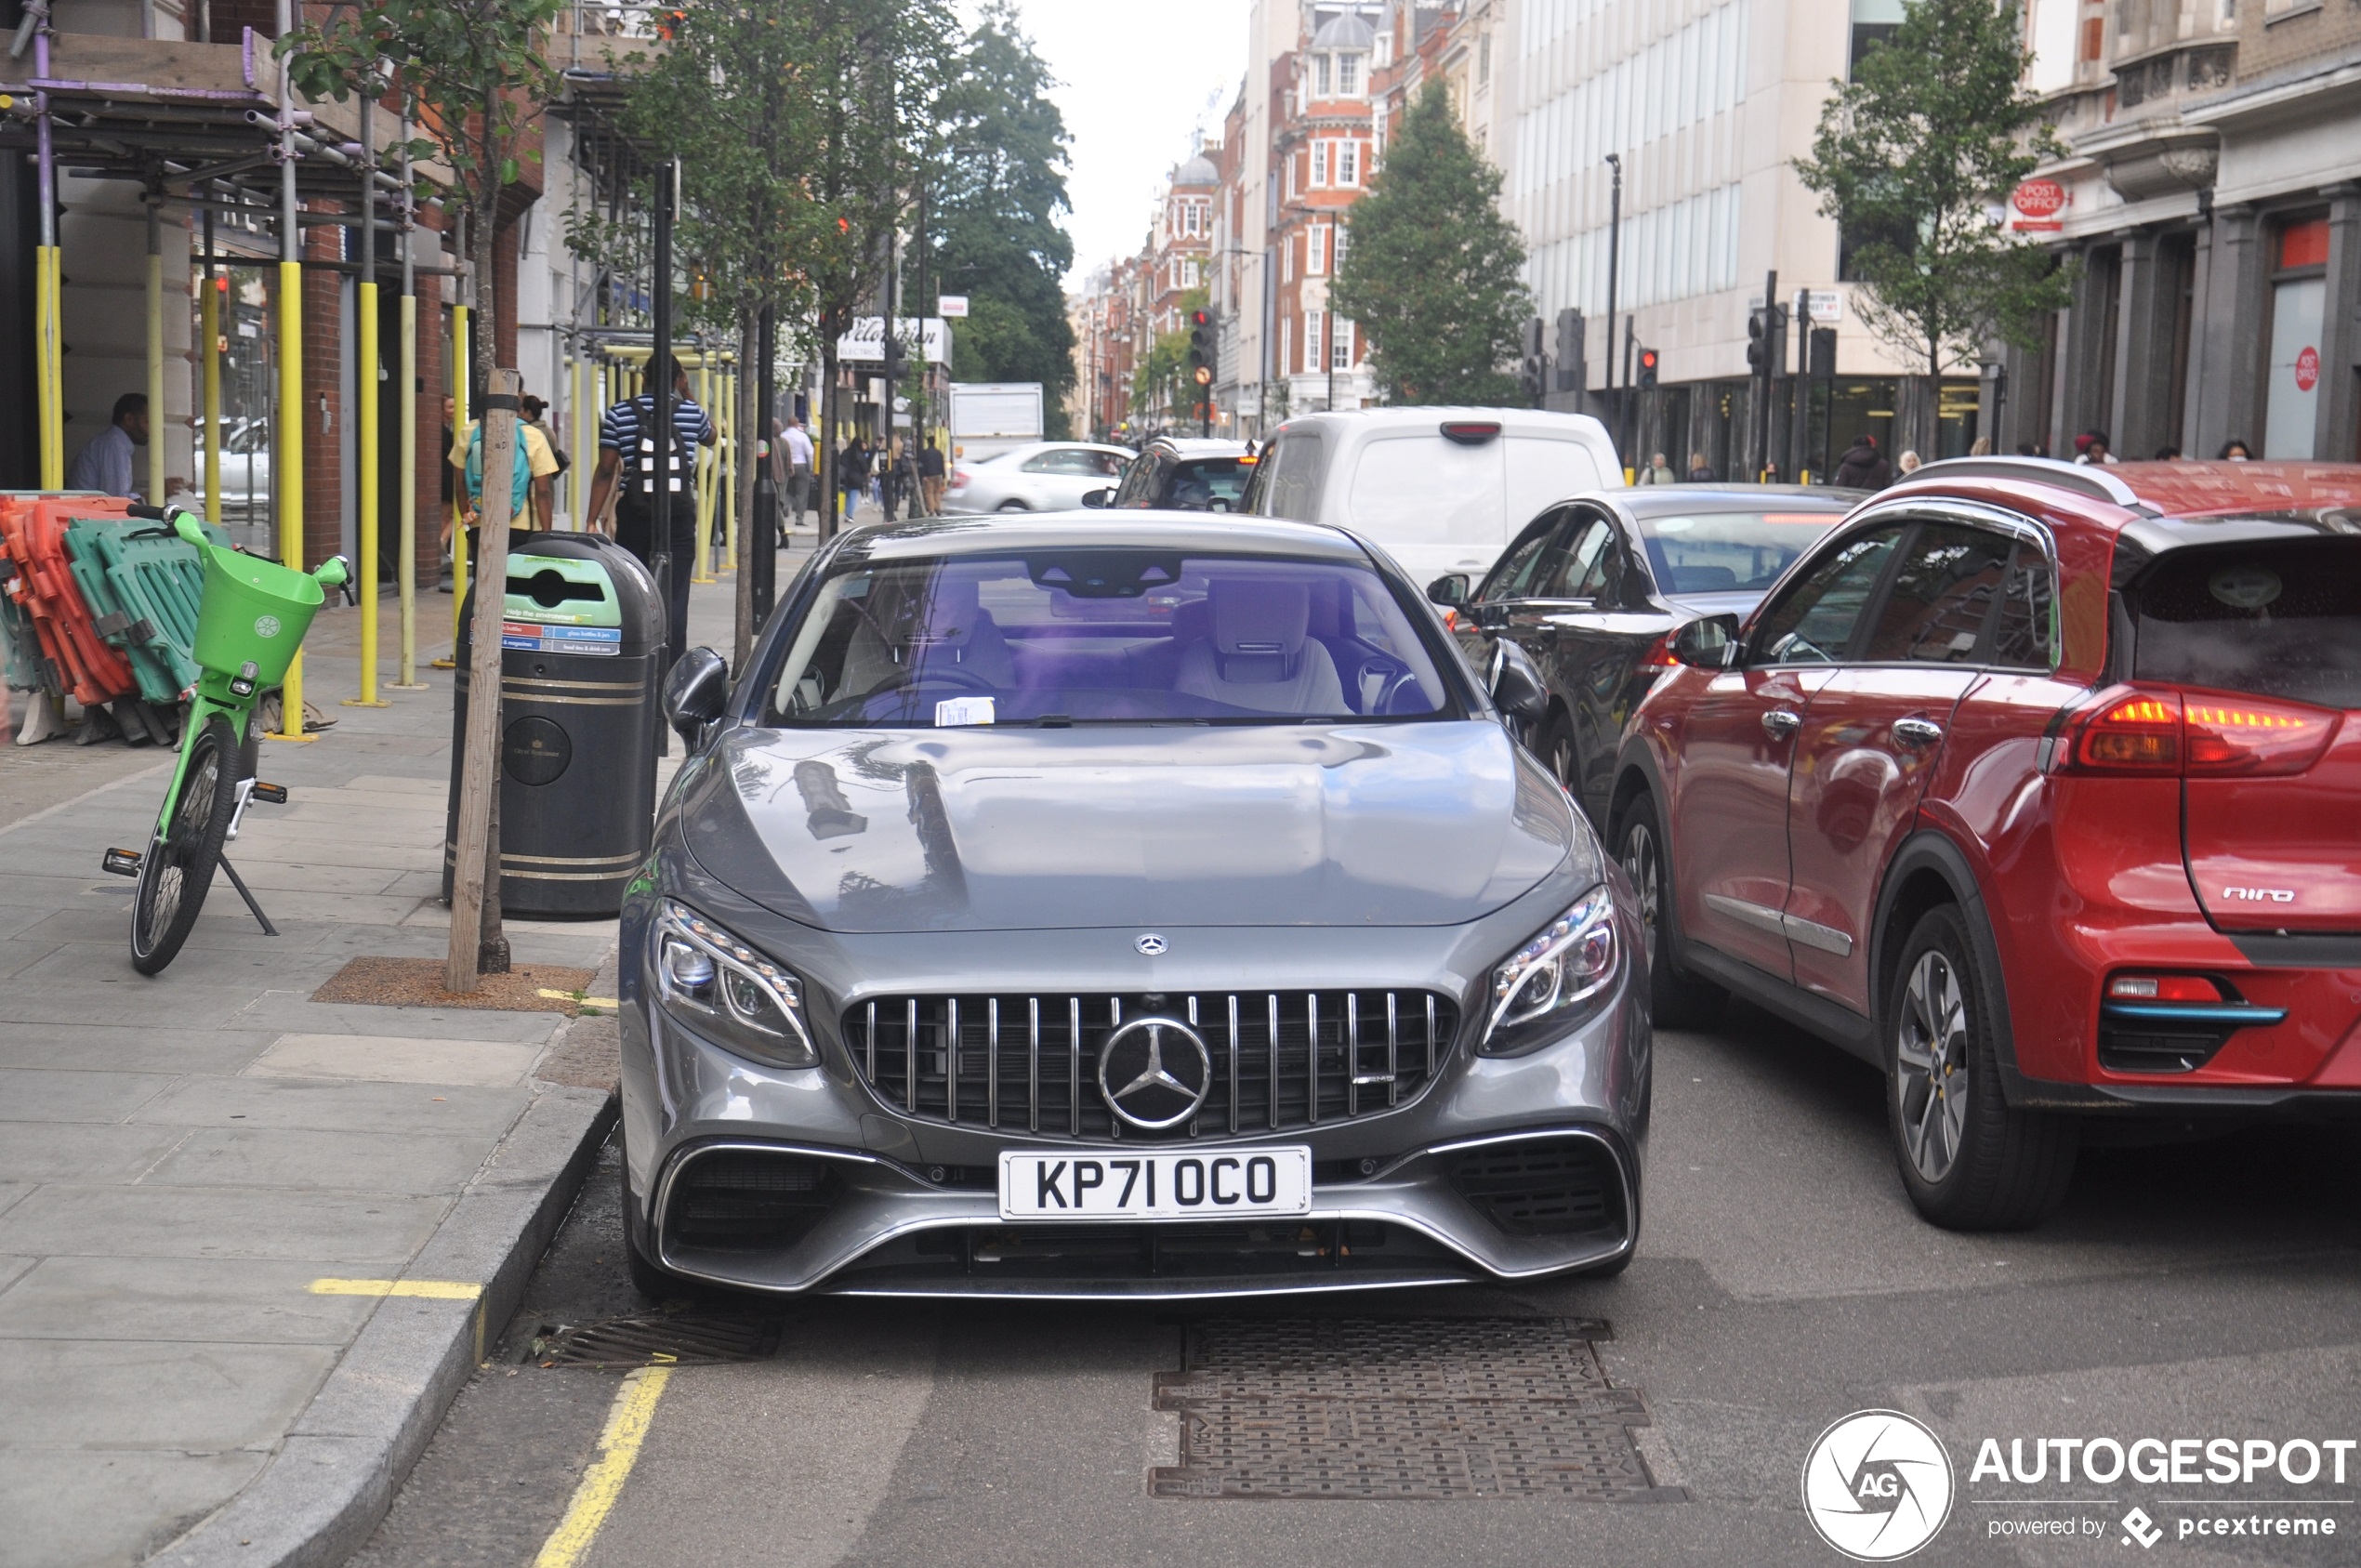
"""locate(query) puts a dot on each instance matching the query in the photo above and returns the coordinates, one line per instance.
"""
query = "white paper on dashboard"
(962, 710)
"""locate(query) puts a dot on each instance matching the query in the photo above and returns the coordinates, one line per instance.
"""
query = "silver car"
(1122, 904)
(1043, 477)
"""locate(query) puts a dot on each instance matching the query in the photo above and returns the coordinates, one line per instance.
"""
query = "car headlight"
(1552, 982)
(727, 991)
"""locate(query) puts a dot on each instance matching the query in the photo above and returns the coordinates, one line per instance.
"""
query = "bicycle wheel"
(177, 869)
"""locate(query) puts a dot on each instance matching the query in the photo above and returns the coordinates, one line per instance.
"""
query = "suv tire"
(1969, 1161)
(1676, 998)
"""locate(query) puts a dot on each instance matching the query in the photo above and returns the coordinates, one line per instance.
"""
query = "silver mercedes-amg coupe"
(1124, 904)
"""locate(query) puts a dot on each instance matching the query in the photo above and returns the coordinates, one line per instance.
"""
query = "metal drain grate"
(686, 1339)
(1414, 1407)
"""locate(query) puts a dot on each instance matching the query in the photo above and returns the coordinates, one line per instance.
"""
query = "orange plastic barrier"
(32, 538)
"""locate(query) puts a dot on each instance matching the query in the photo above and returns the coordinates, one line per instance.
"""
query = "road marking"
(440, 1290)
(627, 1423)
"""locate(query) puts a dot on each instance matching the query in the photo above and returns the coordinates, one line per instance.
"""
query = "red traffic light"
(1200, 318)
(1647, 359)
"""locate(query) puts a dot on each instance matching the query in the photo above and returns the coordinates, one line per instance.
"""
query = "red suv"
(2039, 787)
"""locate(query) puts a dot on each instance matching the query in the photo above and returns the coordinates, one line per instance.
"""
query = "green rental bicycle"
(250, 622)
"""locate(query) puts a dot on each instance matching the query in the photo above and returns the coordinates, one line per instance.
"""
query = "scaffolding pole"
(365, 387)
(286, 464)
(48, 338)
(209, 323)
(406, 568)
(155, 349)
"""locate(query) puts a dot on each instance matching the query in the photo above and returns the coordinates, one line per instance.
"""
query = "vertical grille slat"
(1302, 1063)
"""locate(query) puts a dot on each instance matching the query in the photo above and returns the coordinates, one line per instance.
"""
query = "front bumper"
(905, 1206)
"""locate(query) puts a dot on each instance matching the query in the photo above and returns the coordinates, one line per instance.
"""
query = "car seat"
(937, 622)
(1260, 655)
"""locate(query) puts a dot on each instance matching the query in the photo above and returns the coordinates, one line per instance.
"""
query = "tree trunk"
(754, 434)
(492, 945)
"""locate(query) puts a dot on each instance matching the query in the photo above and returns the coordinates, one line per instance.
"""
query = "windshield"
(1115, 636)
(1729, 552)
(1207, 485)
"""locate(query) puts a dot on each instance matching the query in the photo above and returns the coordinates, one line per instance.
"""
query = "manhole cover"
(1414, 1407)
(685, 1339)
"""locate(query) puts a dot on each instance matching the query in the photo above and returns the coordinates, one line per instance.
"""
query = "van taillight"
(1470, 432)
(2198, 734)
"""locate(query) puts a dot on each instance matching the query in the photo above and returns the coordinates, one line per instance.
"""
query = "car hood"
(982, 829)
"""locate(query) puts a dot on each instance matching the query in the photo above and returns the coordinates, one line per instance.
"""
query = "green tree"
(475, 70)
(994, 199)
(1432, 271)
(1912, 154)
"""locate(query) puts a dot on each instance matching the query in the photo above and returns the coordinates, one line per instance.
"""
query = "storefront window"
(2299, 298)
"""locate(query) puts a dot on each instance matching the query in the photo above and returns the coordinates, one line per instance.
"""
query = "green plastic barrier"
(144, 595)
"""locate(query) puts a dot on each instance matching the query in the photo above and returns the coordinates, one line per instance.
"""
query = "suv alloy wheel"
(1969, 1161)
(1677, 999)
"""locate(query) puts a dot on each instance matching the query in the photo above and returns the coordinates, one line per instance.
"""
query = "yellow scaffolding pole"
(407, 569)
(577, 481)
(365, 375)
(703, 492)
(209, 313)
(286, 466)
(50, 367)
(459, 500)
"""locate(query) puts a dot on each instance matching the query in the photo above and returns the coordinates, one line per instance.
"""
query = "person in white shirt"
(105, 465)
(798, 497)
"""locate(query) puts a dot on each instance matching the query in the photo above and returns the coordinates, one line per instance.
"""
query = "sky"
(1136, 78)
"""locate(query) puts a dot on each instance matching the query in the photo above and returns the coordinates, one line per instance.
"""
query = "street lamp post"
(1615, 254)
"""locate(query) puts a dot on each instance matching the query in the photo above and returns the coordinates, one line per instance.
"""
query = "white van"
(1443, 489)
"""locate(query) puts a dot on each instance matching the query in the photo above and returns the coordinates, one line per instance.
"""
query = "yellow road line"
(606, 1002)
(627, 1423)
(440, 1290)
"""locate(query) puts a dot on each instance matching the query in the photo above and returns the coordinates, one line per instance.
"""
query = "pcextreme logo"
(1876, 1485)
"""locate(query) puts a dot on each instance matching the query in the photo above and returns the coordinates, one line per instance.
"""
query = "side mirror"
(1516, 685)
(694, 692)
(1706, 644)
(1449, 591)
(1098, 497)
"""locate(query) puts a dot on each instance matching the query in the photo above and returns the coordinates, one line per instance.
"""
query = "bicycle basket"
(254, 610)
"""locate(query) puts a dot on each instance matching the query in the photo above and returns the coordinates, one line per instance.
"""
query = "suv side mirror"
(1706, 644)
(1516, 685)
(1098, 497)
(694, 692)
(1448, 591)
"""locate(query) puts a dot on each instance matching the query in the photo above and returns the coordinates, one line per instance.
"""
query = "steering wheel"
(1396, 676)
(957, 675)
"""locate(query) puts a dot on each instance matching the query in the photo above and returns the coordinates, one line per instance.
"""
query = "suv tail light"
(959, 479)
(2163, 988)
(1659, 655)
(2164, 730)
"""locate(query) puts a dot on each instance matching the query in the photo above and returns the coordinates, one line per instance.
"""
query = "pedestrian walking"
(901, 476)
(930, 475)
(1659, 472)
(2233, 451)
(1700, 471)
(1863, 466)
(105, 464)
(852, 474)
(535, 505)
(626, 452)
(797, 489)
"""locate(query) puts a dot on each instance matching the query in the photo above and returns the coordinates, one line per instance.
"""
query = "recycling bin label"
(536, 638)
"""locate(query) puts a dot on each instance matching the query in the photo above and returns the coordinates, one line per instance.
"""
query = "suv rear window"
(2273, 619)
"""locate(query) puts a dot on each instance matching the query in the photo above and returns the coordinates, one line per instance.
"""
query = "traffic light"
(1648, 358)
(891, 353)
(1767, 340)
(1201, 347)
(1821, 359)
(1533, 375)
(1570, 348)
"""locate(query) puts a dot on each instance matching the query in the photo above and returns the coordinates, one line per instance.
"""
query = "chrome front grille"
(1282, 1059)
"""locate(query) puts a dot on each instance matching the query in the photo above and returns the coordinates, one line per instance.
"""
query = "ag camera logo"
(1876, 1485)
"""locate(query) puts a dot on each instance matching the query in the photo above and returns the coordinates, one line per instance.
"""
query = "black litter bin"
(581, 641)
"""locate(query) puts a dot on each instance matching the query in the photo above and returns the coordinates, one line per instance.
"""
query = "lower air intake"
(1543, 1187)
(743, 1202)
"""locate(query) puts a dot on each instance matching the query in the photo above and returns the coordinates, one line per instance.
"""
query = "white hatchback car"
(1042, 477)
(1441, 490)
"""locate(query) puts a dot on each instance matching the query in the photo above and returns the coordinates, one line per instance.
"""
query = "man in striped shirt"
(626, 450)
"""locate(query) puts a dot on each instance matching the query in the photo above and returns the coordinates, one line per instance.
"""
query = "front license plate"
(1220, 1184)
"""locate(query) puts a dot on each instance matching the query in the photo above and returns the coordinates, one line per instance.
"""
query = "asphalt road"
(2187, 1292)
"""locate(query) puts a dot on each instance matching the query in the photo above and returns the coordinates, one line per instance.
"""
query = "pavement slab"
(422, 1164)
(82, 1152)
(149, 1497)
(42, 1095)
(396, 1058)
(323, 1222)
(455, 1110)
(195, 1299)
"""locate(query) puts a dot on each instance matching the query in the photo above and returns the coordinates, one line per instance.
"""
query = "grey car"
(1126, 904)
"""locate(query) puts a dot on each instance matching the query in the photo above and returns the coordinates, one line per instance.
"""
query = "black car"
(1182, 474)
(1595, 587)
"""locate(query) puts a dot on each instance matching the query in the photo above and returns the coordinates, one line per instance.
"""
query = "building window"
(1337, 247)
(1348, 163)
(1313, 322)
(1348, 75)
(2299, 301)
(1287, 259)
(1341, 348)
(1286, 342)
(1319, 165)
(1483, 58)
(1315, 250)
(1291, 167)
(1320, 77)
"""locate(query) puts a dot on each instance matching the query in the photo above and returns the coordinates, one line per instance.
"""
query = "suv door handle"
(1780, 722)
(1917, 732)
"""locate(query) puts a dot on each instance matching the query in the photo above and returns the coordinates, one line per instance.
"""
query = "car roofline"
(1152, 527)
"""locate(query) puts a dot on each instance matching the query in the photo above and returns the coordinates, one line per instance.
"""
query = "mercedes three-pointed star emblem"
(1165, 1069)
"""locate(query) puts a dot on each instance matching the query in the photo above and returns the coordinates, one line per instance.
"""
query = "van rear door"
(1436, 505)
